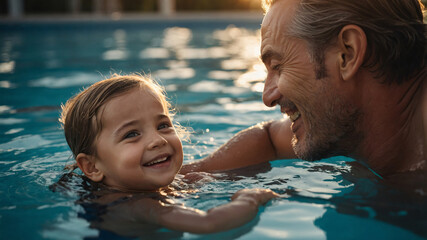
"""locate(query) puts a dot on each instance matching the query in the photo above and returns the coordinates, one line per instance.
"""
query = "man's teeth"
(156, 161)
(294, 116)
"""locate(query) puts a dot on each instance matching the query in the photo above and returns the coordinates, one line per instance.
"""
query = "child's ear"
(87, 164)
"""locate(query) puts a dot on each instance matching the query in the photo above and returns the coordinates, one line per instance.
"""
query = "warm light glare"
(252, 4)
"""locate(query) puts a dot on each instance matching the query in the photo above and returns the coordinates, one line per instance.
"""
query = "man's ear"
(352, 47)
(87, 164)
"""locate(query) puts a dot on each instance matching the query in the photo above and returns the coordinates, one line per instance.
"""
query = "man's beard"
(331, 133)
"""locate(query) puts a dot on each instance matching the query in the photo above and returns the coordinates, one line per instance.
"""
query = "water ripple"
(24, 143)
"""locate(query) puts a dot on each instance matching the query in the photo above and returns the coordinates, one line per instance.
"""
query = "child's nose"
(157, 141)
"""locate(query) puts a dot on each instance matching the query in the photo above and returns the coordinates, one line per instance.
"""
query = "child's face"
(138, 148)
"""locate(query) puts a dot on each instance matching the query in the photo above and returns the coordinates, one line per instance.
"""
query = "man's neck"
(393, 126)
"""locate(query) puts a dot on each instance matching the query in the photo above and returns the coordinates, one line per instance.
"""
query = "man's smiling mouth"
(294, 116)
(289, 108)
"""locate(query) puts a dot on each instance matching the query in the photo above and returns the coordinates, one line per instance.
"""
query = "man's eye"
(131, 134)
(276, 67)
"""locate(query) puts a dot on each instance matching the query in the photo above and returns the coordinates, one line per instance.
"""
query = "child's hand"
(256, 196)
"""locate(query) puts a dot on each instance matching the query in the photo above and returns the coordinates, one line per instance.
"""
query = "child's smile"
(158, 162)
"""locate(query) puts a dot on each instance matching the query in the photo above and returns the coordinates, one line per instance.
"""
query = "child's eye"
(131, 134)
(164, 125)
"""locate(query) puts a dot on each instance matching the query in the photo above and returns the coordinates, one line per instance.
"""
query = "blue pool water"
(213, 76)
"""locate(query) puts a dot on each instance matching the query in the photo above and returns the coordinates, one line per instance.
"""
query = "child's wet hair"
(81, 115)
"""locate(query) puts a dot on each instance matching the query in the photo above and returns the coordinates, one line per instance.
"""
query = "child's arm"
(242, 209)
(131, 218)
(257, 144)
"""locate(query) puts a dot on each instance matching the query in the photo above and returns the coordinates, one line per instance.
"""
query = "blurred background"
(19, 8)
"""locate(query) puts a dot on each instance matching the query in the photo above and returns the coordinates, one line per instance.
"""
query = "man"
(351, 76)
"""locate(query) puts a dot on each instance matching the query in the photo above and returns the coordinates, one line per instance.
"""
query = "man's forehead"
(265, 23)
(280, 13)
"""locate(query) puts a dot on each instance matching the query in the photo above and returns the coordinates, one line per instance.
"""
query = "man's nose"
(157, 140)
(271, 93)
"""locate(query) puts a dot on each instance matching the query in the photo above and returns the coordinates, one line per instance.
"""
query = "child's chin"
(162, 184)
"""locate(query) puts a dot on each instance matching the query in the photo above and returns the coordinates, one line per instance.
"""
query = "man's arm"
(260, 143)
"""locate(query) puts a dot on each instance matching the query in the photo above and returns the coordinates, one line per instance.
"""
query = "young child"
(121, 134)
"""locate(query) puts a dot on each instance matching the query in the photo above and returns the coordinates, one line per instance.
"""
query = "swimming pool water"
(214, 78)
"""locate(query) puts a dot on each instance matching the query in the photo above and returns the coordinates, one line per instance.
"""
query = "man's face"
(320, 113)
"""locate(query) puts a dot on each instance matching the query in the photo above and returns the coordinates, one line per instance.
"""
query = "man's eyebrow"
(270, 54)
